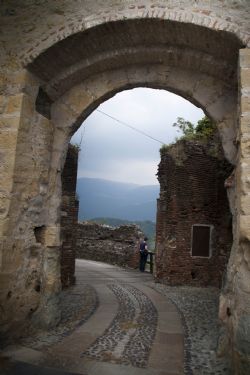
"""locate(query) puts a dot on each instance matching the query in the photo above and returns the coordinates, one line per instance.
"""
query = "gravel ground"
(76, 307)
(198, 308)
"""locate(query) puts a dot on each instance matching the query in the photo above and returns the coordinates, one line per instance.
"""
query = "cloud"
(113, 151)
(142, 173)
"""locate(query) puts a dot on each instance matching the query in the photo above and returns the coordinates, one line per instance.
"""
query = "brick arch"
(77, 20)
(147, 41)
(136, 41)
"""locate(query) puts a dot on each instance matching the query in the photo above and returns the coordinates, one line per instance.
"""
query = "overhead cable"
(130, 126)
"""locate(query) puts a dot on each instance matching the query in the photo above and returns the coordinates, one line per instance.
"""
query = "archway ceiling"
(124, 43)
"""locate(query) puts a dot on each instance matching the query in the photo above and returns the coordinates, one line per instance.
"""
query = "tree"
(204, 128)
(185, 126)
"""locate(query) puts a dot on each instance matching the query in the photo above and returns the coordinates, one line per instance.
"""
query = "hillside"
(103, 198)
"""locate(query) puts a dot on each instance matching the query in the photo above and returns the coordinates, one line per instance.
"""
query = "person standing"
(143, 254)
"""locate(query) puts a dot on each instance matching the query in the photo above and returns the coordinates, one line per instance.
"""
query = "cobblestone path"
(119, 322)
(130, 336)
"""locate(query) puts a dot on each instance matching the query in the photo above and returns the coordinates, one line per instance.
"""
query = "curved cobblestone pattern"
(198, 309)
(77, 306)
(130, 336)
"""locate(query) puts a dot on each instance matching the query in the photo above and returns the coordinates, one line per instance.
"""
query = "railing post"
(151, 262)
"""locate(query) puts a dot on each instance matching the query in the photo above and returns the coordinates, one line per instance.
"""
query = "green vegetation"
(76, 147)
(202, 131)
(147, 227)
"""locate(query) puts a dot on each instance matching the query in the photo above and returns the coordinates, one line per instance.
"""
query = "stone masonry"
(118, 246)
(69, 218)
(59, 60)
(192, 176)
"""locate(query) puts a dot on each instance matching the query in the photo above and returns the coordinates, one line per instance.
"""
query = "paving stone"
(198, 308)
(127, 333)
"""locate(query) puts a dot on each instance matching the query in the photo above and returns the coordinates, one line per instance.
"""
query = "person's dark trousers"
(143, 260)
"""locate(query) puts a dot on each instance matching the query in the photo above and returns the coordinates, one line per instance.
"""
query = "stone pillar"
(235, 299)
(69, 217)
(30, 247)
(241, 316)
(17, 104)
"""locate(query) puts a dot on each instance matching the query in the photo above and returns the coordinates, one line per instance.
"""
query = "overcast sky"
(111, 151)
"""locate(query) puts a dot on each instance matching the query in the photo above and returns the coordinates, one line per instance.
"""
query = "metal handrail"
(151, 261)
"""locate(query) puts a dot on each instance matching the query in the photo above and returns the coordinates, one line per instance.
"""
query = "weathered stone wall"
(235, 297)
(119, 246)
(69, 217)
(192, 176)
(29, 282)
(81, 53)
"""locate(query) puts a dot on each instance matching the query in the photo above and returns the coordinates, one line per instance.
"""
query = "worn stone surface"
(129, 338)
(77, 305)
(81, 53)
(198, 309)
(134, 302)
(106, 244)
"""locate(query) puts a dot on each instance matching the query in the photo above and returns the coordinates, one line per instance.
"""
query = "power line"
(130, 126)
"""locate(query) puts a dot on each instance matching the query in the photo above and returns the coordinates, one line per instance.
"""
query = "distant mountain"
(103, 198)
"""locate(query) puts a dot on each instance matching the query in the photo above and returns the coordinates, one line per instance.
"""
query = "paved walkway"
(125, 327)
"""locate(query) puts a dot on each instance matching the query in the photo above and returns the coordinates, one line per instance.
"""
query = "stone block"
(244, 225)
(4, 204)
(243, 178)
(9, 123)
(28, 107)
(23, 81)
(245, 104)
(63, 115)
(8, 139)
(245, 78)
(14, 104)
(245, 58)
(243, 278)
(3, 101)
(245, 204)
(246, 249)
(52, 236)
(78, 98)
(242, 338)
(23, 76)
(245, 123)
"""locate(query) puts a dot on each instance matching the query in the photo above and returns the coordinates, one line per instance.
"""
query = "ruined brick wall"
(69, 217)
(117, 246)
(192, 191)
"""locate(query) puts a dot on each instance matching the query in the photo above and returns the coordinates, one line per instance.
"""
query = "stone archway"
(70, 70)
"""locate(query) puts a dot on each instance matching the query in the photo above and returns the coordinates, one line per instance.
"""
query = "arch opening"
(201, 73)
(195, 206)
